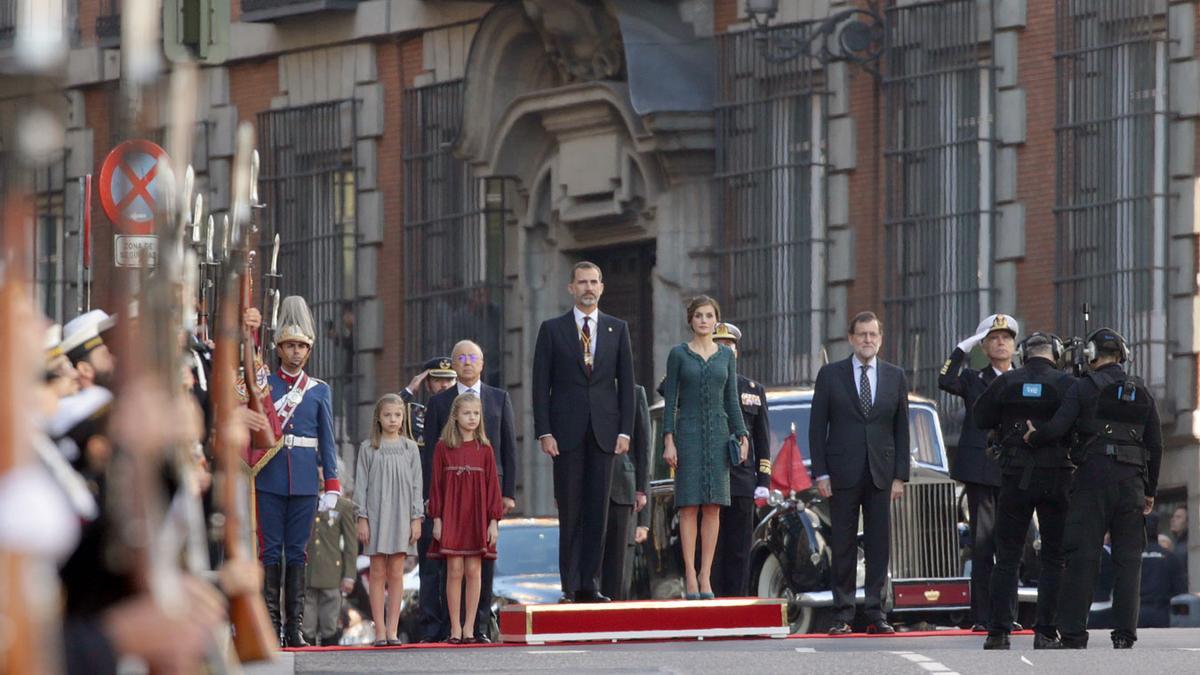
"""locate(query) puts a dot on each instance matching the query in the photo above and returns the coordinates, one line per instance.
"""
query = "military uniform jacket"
(293, 470)
(971, 462)
(631, 471)
(416, 416)
(333, 547)
(756, 470)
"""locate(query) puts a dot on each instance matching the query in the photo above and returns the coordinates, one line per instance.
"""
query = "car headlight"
(775, 498)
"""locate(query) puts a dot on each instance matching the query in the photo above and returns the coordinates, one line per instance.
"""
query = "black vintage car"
(790, 558)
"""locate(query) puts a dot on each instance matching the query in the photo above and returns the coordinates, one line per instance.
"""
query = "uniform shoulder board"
(318, 380)
(764, 466)
(945, 367)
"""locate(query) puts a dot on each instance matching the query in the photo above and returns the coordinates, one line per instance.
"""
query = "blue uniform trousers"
(284, 526)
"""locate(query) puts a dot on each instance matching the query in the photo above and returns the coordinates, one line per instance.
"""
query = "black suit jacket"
(970, 463)
(497, 425)
(566, 400)
(631, 471)
(843, 443)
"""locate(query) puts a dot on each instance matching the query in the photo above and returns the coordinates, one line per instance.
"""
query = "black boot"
(294, 607)
(272, 577)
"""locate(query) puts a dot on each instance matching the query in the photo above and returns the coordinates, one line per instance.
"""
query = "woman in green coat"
(701, 411)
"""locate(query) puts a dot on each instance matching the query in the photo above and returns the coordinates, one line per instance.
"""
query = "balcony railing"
(108, 23)
(273, 10)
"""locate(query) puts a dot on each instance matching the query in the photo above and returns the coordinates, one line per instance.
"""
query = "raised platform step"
(644, 620)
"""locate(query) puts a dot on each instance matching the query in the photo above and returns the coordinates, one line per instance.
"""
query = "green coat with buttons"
(333, 547)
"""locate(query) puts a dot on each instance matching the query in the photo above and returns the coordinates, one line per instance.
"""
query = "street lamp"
(856, 34)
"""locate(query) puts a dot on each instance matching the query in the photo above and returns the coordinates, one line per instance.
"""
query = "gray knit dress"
(389, 490)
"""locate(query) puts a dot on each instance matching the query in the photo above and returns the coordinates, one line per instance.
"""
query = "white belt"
(300, 441)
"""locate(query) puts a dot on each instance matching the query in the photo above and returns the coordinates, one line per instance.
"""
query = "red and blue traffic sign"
(129, 186)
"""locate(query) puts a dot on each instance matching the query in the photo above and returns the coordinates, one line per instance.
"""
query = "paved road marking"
(1026, 661)
(926, 663)
(806, 650)
(916, 658)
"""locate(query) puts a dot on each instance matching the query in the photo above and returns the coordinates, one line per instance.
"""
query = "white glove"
(761, 493)
(328, 500)
(969, 344)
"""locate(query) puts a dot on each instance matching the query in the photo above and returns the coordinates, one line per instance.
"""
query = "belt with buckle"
(293, 441)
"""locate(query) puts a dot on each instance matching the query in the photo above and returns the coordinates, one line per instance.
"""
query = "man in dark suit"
(583, 416)
(498, 426)
(972, 466)
(627, 496)
(748, 482)
(858, 436)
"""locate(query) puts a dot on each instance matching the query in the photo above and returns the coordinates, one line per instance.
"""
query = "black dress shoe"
(979, 628)
(840, 628)
(997, 641)
(1122, 643)
(1046, 642)
(1017, 628)
(566, 599)
(591, 597)
(880, 627)
(483, 639)
(429, 640)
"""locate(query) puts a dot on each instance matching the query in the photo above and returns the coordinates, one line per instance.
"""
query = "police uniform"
(332, 552)
(1118, 448)
(731, 574)
(973, 467)
(288, 483)
(1033, 480)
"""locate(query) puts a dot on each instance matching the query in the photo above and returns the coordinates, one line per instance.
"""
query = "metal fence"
(1111, 167)
(939, 202)
(52, 234)
(453, 237)
(770, 212)
(308, 183)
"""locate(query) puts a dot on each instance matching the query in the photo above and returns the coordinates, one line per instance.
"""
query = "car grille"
(925, 533)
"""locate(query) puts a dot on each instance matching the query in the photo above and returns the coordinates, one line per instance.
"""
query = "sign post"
(130, 192)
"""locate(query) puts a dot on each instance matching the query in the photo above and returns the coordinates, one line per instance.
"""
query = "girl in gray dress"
(389, 490)
(701, 412)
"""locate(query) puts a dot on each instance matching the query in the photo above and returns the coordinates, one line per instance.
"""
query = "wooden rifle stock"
(251, 362)
(254, 637)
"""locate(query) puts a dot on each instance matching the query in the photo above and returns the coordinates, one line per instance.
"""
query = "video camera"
(1074, 347)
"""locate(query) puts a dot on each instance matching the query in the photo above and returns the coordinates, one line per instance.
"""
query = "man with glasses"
(498, 426)
(859, 443)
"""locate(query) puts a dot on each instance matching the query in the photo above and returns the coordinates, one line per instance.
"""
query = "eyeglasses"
(469, 358)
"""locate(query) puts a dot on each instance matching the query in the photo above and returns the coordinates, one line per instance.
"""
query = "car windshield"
(926, 441)
(527, 549)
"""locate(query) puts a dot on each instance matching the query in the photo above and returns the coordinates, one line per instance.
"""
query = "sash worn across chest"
(286, 406)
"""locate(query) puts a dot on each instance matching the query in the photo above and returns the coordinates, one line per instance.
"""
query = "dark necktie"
(586, 343)
(864, 390)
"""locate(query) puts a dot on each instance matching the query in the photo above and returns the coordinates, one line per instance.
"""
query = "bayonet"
(208, 246)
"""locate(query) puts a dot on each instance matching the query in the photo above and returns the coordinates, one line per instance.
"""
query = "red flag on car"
(789, 472)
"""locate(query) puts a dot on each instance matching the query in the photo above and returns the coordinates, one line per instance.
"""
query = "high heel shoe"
(706, 595)
(691, 596)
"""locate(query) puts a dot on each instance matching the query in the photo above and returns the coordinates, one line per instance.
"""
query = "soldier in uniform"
(288, 484)
(1033, 480)
(748, 481)
(627, 496)
(1118, 449)
(438, 376)
(978, 472)
(332, 552)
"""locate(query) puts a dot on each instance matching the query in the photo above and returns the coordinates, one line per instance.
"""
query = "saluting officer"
(1032, 480)
(437, 376)
(972, 466)
(1118, 448)
(748, 481)
(289, 482)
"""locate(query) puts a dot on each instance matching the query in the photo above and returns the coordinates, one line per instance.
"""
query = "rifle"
(254, 636)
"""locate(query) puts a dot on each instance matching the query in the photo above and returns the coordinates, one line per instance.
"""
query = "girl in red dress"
(464, 502)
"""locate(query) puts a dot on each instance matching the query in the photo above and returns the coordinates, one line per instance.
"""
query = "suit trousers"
(582, 477)
(322, 609)
(1115, 508)
(434, 622)
(731, 566)
(981, 505)
(1047, 494)
(284, 526)
(844, 507)
(614, 581)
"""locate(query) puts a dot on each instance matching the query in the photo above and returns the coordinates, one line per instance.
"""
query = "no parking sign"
(130, 191)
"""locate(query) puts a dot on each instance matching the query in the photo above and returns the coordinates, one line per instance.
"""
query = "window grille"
(770, 216)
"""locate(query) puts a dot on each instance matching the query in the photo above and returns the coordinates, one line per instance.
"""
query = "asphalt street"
(1158, 652)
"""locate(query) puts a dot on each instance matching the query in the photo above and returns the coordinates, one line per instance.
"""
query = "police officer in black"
(747, 481)
(1033, 480)
(437, 376)
(973, 466)
(1118, 448)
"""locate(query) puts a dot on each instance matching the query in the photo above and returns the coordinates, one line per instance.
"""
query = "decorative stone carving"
(581, 38)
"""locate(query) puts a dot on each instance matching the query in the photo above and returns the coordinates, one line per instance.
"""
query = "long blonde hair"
(451, 435)
(377, 425)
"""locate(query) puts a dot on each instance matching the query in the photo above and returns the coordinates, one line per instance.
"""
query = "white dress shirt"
(476, 388)
(872, 367)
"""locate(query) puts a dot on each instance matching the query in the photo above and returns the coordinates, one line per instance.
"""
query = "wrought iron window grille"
(857, 35)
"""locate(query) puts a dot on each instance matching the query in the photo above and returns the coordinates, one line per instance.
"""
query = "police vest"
(1116, 425)
(1036, 402)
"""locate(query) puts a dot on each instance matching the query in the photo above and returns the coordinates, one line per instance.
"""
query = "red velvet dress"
(465, 494)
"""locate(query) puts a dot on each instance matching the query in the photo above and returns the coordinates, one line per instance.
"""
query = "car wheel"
(771, 584)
